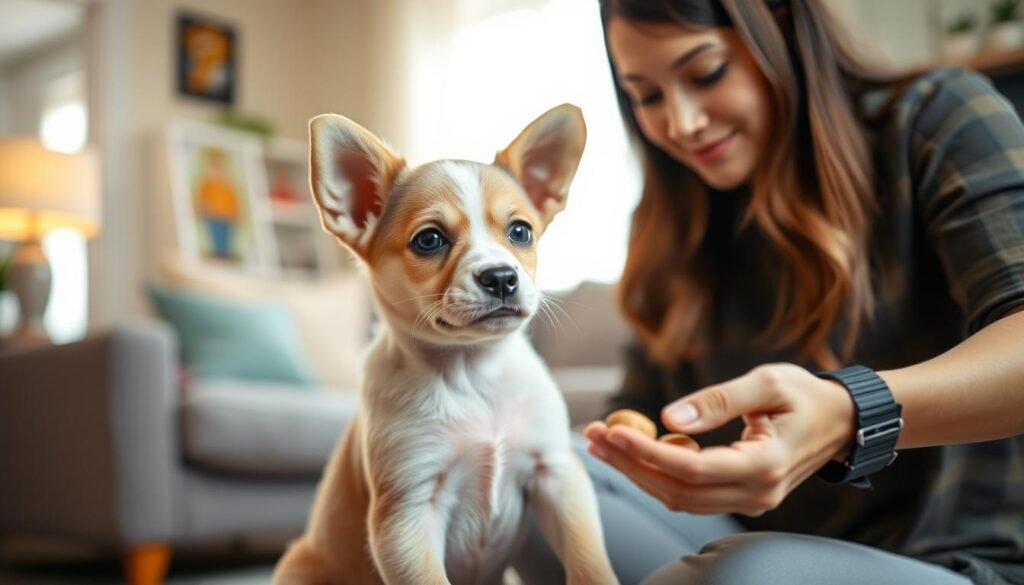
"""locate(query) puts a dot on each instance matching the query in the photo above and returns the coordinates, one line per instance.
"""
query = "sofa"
(107, 441)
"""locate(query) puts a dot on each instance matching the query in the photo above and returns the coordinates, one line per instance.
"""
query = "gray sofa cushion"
(584, 328)
(586, 390)
(262, 429)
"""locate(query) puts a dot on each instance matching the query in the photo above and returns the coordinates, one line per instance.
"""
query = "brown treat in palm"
(632, 419)
(680, 441)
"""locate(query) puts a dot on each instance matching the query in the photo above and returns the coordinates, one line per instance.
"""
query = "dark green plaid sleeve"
(968, 179)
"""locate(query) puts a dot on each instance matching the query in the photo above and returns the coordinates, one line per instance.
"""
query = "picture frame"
(244, 201)
(215, 175)
(207, 51)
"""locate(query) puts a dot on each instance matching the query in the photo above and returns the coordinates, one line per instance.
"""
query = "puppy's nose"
(499, 282)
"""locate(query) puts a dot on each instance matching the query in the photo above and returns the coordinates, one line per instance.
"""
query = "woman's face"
(697, 94)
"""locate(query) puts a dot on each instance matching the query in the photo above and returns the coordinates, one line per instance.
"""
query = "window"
(63, 124)
(63, 127)
(497, 73)
(66, 315)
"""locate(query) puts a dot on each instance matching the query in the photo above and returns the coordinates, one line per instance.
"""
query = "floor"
(36, 563)
(258, 575)
(45, 564)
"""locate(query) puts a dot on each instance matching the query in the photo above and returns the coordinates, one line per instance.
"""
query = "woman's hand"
(795, 423)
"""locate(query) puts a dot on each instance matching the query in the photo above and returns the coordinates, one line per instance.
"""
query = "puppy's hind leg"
(301, 565)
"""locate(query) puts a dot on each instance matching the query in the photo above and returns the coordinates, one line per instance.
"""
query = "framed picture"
(215, 176)
(244, 201)
(206, 54)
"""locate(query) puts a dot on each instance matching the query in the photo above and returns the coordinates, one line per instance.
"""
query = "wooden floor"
(258, 575)
(37, 563)
(44, 566)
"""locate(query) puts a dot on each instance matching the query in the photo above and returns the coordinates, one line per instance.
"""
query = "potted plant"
(1006, 33)
(961, 37)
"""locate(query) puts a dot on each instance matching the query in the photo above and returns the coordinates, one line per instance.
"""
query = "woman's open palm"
(794, 421)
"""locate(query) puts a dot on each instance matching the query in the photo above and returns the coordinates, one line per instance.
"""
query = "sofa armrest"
(89, 437)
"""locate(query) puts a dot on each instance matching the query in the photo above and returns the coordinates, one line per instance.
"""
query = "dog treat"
(680, 441)
(632, 419)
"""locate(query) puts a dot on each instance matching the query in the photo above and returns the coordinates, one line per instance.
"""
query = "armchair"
(99, 444)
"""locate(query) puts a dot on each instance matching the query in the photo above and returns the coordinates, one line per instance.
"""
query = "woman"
(804, 211)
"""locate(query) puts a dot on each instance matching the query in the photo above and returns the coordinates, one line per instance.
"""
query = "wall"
(901, 33)
(280, 60)
(296, 59)
(5, 117)
(364, 76)
(908, 33)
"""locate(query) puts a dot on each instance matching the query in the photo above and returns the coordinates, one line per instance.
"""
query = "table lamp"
(41, 190)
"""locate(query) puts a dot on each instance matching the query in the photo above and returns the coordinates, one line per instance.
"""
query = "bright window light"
(64, 127)
(501, 72)
(66, 314)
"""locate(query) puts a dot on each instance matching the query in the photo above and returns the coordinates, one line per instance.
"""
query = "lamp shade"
(42, 190)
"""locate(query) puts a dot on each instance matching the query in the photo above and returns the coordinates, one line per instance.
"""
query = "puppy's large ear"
(545, 156)
(351, 172)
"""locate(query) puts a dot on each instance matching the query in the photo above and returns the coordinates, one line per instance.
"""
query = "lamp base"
(29, 278)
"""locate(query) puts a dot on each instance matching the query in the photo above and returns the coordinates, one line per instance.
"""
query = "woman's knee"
(740, 559)
(771, 557)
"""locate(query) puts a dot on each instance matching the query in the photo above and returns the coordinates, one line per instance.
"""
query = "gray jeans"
(649, 544)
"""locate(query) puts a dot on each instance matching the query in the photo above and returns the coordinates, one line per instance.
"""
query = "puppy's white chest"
(489, 461)
(464, 445)
(481, 496)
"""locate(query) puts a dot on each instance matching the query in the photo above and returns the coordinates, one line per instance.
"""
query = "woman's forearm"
(973, 392)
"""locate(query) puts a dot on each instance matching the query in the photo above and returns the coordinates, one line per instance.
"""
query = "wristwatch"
(878, 427)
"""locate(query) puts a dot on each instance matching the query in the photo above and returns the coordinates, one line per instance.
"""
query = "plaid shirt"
(947, 257)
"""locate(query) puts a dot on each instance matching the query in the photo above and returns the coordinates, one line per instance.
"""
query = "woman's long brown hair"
(812, 198)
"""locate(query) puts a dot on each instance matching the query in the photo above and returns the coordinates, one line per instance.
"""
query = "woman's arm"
(968, 193)
(973, 392)
(796, 422)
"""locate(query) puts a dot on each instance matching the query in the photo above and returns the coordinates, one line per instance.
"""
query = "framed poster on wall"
(213, 174)
(206, 58)
(243, 201)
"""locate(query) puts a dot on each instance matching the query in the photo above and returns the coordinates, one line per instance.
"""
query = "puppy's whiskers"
(553, 304)
(546, 312)
(420, 298)
(427, 314)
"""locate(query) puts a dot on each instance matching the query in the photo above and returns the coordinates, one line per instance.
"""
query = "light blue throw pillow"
(221, 339)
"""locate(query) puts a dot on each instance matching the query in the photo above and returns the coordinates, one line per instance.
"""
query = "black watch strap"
(878, 427)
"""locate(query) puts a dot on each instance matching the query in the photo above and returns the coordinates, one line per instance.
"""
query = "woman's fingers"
(595, 429)
(758, 391)
(677, 495)
(742, 462)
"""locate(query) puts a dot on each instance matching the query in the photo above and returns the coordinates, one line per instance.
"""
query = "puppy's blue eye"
(520, 233)
(429, 241)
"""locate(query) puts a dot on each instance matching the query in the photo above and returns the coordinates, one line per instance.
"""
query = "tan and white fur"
(460, 423)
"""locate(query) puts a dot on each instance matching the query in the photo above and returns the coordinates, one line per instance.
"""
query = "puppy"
(459, 424)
